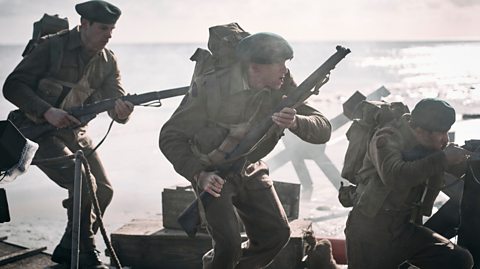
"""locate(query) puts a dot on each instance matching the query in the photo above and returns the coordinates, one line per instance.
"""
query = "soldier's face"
(272, 75)
(95, 36)
(435, 140)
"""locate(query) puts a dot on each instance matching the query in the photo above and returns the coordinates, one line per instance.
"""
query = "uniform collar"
(238, 79)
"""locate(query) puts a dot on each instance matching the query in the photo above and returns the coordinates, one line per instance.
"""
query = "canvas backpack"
(372, 115)
(369, 117)
(222, 42)
(47, 27)
(210, 67)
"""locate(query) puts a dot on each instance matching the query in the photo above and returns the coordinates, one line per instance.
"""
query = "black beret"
(98, 11)
(433, 114)
(264, 48)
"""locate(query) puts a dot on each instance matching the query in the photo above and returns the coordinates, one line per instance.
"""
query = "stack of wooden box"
(161, 243)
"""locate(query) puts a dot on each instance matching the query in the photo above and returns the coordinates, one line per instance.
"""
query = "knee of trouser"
(462, 258)
(105, 193)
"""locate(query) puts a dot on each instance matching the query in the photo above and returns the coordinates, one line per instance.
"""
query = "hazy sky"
(296, 20)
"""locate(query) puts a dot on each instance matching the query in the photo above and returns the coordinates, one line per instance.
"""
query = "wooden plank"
(140, 244)
(141, 227)
(152, 247)
(19, 255)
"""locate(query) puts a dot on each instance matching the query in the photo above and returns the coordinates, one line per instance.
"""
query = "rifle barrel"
(89, 111)
(135, 99)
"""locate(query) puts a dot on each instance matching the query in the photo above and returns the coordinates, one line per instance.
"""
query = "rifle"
(420, 152)
(86, 113)
(189, 219)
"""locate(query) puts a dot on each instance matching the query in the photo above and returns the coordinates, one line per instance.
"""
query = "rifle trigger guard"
(155, 103)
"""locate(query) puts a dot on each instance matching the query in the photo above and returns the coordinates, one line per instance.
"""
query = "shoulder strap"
(214, 97)
(56, 54)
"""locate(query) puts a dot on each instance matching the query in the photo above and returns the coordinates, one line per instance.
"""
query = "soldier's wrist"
(294, 125)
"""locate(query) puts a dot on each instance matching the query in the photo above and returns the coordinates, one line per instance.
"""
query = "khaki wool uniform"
(216, 103)
(93, 79)
(383, 229)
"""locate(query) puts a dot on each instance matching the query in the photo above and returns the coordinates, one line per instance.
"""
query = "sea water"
(139, 171)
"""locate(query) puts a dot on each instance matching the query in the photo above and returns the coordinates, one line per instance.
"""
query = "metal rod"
(77, 199)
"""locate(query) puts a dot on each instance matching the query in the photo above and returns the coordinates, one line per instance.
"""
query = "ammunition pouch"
(206, 140)
(62, 94)
(347, 195)
(51, 91)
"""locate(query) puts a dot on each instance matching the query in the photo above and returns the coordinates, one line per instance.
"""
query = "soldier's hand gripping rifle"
(189, 219)
(86, 113)
(458, 171)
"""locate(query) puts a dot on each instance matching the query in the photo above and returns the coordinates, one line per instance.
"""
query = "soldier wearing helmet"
(220, 108)
(401, 176)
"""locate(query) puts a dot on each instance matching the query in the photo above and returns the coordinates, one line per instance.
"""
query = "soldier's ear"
(84, 23)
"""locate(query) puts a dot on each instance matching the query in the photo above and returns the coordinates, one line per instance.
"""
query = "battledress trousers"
(265, 221)
(66, 142)
(389, 238)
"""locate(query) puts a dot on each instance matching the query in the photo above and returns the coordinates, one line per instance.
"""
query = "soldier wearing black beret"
(98, 11)
(67, 70)
(401, 176)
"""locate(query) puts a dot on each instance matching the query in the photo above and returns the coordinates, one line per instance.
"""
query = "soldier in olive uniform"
(64, 71)
(396, 188)
(213, 118)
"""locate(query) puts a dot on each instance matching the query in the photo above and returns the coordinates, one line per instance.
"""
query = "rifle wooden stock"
(189, 219)
(86, 113)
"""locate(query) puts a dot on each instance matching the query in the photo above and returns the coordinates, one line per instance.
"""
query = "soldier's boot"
(87, 259)
(320, 256)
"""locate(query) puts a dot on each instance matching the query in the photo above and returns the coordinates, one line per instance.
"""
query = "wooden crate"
(145, 244)
(175, 199)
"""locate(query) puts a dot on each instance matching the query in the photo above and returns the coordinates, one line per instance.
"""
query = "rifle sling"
(63, 94)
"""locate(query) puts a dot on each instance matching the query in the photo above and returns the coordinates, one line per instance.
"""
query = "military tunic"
(216, 103)
(63, 58)
(382, 230)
